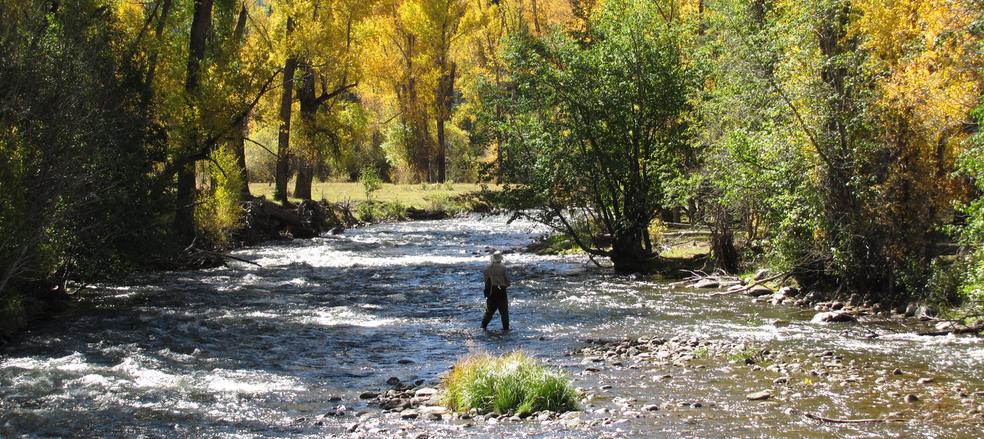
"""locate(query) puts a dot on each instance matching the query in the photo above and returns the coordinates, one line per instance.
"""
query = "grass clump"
(513, 382)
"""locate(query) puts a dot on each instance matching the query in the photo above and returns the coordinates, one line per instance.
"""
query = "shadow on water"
(266, 351)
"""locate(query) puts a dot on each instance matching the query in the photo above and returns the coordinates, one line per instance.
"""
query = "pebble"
(606, 387)
(910, 398)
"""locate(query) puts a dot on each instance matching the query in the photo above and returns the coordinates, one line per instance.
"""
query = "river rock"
(409, 414)
(911, 398)
(832, 316)
(433, 409)
(926, 312)
(759, 291)
(393, 381)
(789, 291)
(368, 395)
(759, 396)
(910, 310)
(707, 283)
(925, 380)
(650, 407)
(405, 361)
(761, 273)
(425, 392)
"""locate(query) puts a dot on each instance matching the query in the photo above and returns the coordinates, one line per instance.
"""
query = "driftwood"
(852, 421)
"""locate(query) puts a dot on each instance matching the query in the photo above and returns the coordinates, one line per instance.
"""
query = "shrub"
(513, 382)
(370, 181)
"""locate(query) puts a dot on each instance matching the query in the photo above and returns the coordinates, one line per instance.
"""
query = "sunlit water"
(247, 351)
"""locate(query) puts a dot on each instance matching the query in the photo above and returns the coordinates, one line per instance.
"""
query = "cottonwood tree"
(596, 130)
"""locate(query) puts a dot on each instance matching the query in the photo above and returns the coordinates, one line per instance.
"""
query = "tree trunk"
(241, 130)
(283, 138)
(305, 179)
(444, 102)
(441, 152)
(628, 252)
(184, 219)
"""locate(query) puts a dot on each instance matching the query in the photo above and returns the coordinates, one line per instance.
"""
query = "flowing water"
(276, 350)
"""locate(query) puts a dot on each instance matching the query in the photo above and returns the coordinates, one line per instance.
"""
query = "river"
(285, 349)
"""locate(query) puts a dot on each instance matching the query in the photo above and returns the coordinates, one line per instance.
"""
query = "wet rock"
(405, 361)
(837, 306)
(422, 436)
(393, 381)
(591, 369)
(707, 283)
(897, 371)
(606, 387)
(759, 396)
(759, 291)
(911, 309)
(392, 404)
(650, 407)
(409, 414)
(368, 395)
(832, 317)
(352, 427)
(911, 398)
(789, 291)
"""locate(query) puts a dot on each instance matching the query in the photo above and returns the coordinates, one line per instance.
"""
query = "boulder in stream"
(833, 317)
(707, 283)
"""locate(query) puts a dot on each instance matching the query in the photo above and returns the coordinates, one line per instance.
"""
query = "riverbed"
(286, 348)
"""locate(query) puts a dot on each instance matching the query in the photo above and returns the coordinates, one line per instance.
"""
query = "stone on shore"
(759, 396)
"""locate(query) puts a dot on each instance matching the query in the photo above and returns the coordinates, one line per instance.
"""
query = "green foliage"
(513, 382)
(78, 200)
(598, 131)
(971, 234)
(374, 211)
(370, 181)
(219, 210)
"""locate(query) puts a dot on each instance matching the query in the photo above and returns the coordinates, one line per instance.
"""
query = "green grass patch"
(514, 382)
(555, 245)
(418, 196)
(746, 355)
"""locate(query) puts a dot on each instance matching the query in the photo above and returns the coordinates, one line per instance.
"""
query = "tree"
(598, 129)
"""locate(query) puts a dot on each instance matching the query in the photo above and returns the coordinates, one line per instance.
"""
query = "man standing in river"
(496, 282)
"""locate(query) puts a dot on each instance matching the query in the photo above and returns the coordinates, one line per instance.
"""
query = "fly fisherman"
(496, 282)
